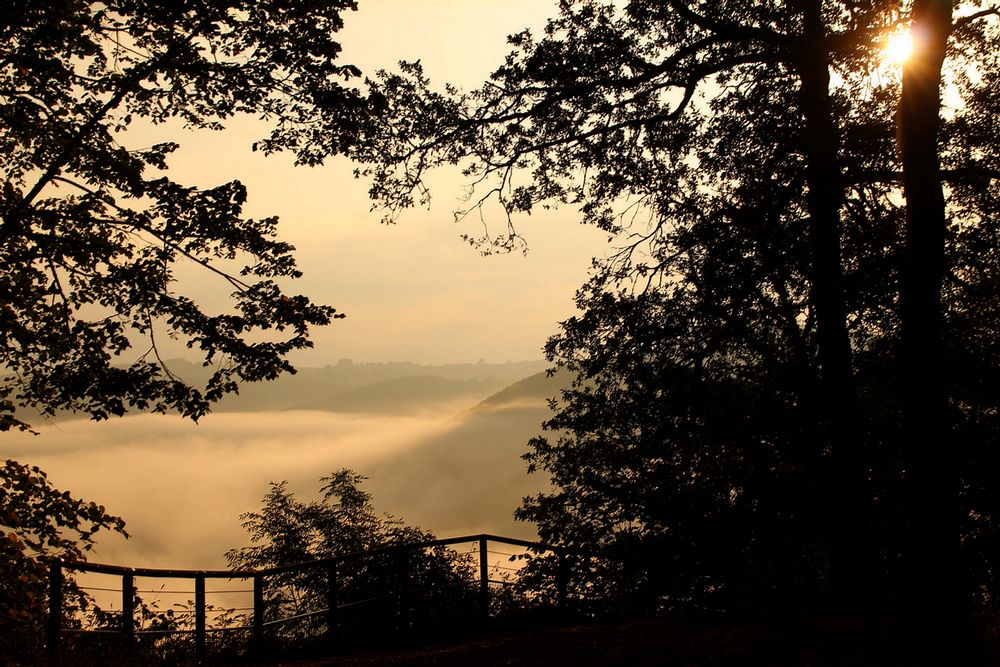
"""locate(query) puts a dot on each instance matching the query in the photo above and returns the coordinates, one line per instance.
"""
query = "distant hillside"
(540, 386)
(471, 478)
(398, 388)
(404, 395)
(377, 388)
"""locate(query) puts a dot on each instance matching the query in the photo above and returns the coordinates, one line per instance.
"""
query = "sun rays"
(898, 47)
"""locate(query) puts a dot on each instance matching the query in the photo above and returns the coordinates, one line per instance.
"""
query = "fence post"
(55, 610)
(258, 610)
(331, 601)
(403, 582)
(484, 579)
(199, 618)
(562, 584)
(128, 609)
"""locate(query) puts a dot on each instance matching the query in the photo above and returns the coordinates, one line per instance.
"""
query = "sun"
(898, 47)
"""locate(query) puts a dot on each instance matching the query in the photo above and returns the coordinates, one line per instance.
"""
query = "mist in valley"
(441, 446)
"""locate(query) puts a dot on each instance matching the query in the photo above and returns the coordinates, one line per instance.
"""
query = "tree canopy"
(743, 378)
(93, 229)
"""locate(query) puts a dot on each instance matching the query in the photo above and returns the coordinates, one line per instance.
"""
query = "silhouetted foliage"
(435, 582)
(736, 426)
(96, 229)
(39, 523)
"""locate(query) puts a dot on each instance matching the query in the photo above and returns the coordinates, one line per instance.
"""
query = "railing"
(334, 607)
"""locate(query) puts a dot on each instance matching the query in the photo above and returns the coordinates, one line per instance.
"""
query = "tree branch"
(962, 22)
(730, 31)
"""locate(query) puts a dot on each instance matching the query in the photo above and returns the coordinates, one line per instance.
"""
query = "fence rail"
(258, 627)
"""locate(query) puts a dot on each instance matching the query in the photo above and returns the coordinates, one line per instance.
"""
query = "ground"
(813, 641)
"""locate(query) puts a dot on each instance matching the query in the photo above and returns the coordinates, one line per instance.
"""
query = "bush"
(39, 523)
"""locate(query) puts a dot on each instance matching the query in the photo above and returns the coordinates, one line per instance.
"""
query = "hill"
(395, 388)
(403, 395)
(377, 388)
(471, 477)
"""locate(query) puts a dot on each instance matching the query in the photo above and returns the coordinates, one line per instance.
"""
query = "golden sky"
(413, 291)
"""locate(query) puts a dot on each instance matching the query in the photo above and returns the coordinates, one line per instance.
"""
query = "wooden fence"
(258, 627)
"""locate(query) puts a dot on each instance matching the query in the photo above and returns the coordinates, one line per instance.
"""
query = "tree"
(96, 229)
(287, 531)
(38, 523)
(627, 111)
(92, 230)
(931, 459)
(691, 442)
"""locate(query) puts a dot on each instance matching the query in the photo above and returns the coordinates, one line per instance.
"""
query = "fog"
(182, 486)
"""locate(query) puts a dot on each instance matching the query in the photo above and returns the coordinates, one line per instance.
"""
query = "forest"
(785, 372)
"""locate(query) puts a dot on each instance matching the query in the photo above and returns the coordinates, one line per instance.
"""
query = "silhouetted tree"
(288, 531)
(691, 443)
(929, 450)
(744, 155)
(92, 229)
(37, 523)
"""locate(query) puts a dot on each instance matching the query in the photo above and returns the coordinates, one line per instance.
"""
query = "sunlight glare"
(898, 47)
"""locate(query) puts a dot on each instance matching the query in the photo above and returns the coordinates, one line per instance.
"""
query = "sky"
(412, 291)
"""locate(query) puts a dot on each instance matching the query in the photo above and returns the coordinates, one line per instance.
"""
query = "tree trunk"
(930, 459)
(847, 491)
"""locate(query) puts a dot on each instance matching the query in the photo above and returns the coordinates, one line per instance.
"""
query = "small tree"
(288, 531)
